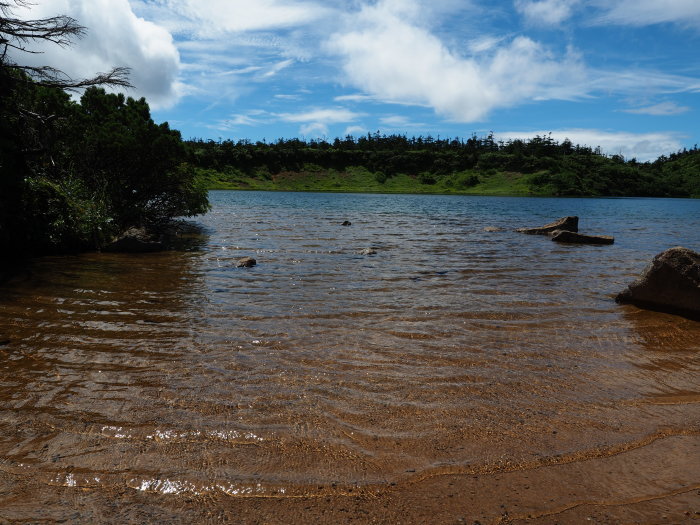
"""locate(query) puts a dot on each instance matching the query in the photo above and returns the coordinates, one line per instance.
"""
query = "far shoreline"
(449, 194)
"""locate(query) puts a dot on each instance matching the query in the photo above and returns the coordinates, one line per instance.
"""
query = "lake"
(453, 361)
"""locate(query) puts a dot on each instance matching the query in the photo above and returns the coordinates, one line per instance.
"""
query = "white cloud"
(326, 116)
(642, 146)
(276, 68)
(355, 131)
(243, 120)
(649, 12)
(216, 36)
(314, 130)
(640, 82)
(315, 122)
(546, 12)
(212, 17)
(284, 96)
(399, 122)
(484, 44)
(115, 37)
(661, 109)
(396, 61)
(353, 98)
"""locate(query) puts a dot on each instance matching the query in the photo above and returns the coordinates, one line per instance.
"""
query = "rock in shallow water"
(368, 251)
(671, 283)
(135, 240)
(579, 238)
(569, 224)
(246, 262)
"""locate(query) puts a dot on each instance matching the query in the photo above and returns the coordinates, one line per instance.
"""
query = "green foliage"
(139, 164)
(468, 180)
(61, 217)
(478, 165)
(427, 178)
(74, 174)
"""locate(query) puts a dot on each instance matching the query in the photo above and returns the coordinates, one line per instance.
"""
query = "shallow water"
(320, 371)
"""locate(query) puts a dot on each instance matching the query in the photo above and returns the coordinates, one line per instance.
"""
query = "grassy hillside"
(477, 166)
(356, 179)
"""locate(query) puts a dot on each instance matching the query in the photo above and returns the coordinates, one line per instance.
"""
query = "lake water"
(163, 379)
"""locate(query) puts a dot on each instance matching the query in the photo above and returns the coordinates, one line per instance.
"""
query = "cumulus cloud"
(545, 12)
(648, 12)
(661, 109)
(642, 146)
(115, 37)
(387, 56)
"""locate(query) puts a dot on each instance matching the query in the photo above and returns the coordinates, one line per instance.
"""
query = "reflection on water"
(452, 350)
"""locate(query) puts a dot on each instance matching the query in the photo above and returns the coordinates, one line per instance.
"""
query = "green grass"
(361, 180)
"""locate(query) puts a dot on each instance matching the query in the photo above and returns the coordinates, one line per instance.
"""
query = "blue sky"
(623, 74)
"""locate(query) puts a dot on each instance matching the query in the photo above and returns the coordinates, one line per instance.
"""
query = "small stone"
(493, 229)
(368, 251)
(246, 262)
(346, 223)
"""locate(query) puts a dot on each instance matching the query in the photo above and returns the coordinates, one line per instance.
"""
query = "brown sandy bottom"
(556, 424)
(651, 482)
(455, 376)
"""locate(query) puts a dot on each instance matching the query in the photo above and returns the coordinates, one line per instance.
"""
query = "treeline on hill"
(75, 173)
(539, 166)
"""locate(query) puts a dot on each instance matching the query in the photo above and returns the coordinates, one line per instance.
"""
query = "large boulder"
(135, 240)
(580, 238)
(569, 224)
(671, 283)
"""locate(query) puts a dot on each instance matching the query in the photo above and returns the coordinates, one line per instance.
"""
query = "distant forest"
(541, 165)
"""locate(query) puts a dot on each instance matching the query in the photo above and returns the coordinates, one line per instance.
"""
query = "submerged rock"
(579, 238)
(346, 223)
(246, 262)
(493, 229)
(135, 240)
(569, 224)
(671, 283)
(368, 251)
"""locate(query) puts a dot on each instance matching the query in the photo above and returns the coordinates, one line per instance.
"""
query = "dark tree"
(17, 35)
(72, 175)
